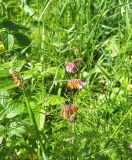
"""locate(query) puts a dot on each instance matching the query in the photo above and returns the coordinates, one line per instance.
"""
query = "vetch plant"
(31, 125)
(70, 112)
(76, 84)
(71, 68)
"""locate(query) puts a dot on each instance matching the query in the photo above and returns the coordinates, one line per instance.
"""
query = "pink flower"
(76, 84)
(71, 68)
(70, 112)
(65, 111)
(130, 147)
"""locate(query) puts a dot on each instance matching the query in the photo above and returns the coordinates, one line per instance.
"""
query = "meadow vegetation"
(65, 80)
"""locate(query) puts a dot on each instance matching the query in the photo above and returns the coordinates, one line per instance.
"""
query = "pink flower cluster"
(70, 111)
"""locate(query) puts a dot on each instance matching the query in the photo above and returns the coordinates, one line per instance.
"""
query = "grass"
(37, 40)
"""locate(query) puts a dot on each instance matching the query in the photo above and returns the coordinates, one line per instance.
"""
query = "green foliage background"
(40, 37)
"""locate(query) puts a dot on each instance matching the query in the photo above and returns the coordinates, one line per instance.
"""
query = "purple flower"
(76, 84)
(71, 68)
(83, 83)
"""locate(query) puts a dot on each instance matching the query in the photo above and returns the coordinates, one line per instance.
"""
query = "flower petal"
(76, 84)
(71, 68)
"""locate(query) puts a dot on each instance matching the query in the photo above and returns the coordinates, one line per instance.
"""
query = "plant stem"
(32, 117)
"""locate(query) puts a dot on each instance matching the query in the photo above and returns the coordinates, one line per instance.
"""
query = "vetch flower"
(70, 111)
(73, 109)
(130, 147)
(65, 111)
(71, 68)
(76, 84)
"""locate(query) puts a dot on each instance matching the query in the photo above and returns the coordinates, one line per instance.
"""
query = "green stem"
(61, 84)
(31, 115)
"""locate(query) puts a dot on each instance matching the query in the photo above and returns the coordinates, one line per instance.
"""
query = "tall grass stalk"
(32, 118)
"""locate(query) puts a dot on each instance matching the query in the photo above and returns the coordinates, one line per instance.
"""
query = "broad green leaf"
(85, 75)
(28, 74)
(14, 65)
(12, 108)
(2, 130)
(6, 65)
(18, 64)
(4, 97)
(49, 71)
(10, 25)
(10, 41)
(4, 73)
(7, 84)
(22, 39)
(19, 108)
(17, 131)
(55, 100)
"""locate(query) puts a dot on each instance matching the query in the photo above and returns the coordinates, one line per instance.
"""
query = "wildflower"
(17, 79)
(2, 47)
(65, 111)
(71, 68)
(130, 147)
(73, 109)
(70, 111)
(76, 84)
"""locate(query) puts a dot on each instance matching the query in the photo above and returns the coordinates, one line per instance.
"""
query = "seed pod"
(17, 79)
